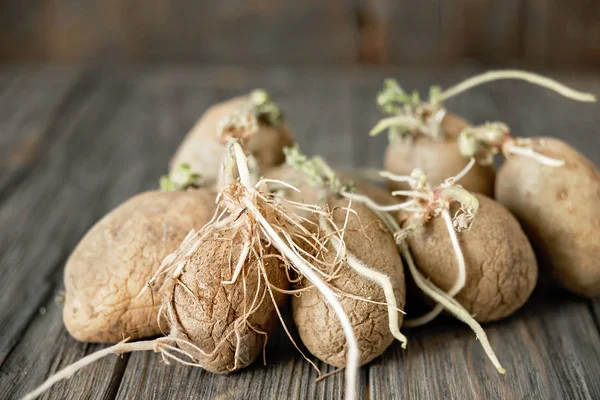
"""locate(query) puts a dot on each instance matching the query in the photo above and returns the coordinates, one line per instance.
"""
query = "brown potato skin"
(317, 323)
(209, 317)
(440, 159)
(501, 269)
(202, 151)
(115, 259)
(559, 209)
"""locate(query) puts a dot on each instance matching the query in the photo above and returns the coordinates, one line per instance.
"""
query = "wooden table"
(74, 143)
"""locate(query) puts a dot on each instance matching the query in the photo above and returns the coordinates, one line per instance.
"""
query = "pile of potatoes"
(114, 287)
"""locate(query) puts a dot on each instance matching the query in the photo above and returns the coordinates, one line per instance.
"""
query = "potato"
(501, 269)
(117, 257)
(439, 158)
(202, 151)
(559, 210)
(209, 313)
(367, 238)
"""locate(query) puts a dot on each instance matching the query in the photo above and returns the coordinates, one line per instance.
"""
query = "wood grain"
(69, 177)
(32, 99)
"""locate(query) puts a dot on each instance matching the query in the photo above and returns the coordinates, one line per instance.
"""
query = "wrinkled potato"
(501, 269)
(320, 330)
(115, 259)
(559, 210)
(209, 313)
(440, 159)
(202, 151)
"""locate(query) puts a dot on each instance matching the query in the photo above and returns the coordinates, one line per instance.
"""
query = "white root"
(374, 206)
(119, 348)
(352, 355)
(462, 173)
(306, 270)
(396, 178)
(406, 121)
(451, 305)
(378, 277)
(239, 265)
(460, 279)
(530, 77)
(530, 153)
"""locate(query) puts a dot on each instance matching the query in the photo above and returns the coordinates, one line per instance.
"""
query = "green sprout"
(180, 177)
(318, 172)
(392, 99)
(264, 108)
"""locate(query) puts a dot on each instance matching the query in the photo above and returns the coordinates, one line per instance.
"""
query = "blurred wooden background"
(311, 32)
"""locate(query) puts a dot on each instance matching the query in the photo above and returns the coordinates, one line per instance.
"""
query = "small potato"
(202, 151)
(118, 256)
(559, 210)
(210, 314)
(440, 159)
(501, 269)
(366, 238)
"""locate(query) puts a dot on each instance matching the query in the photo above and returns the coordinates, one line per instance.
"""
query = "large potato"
(202, 151)
(367, 238)
(210, 314)
(501, 270)
(559, 208)
(439, 158)
(116, 258)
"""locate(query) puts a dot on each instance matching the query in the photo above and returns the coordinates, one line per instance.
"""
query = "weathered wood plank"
(40, 212)
(64, 194)
(132, 144)
(549, 349)
(31, 99)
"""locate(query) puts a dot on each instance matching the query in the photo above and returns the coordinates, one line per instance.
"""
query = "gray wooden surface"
(76, 143)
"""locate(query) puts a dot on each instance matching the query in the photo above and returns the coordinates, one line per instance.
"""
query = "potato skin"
(202, 151)
(317, 323)
(116, 258)
(501, 269)
(559, 210)
(209, 316)
(440, 159)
